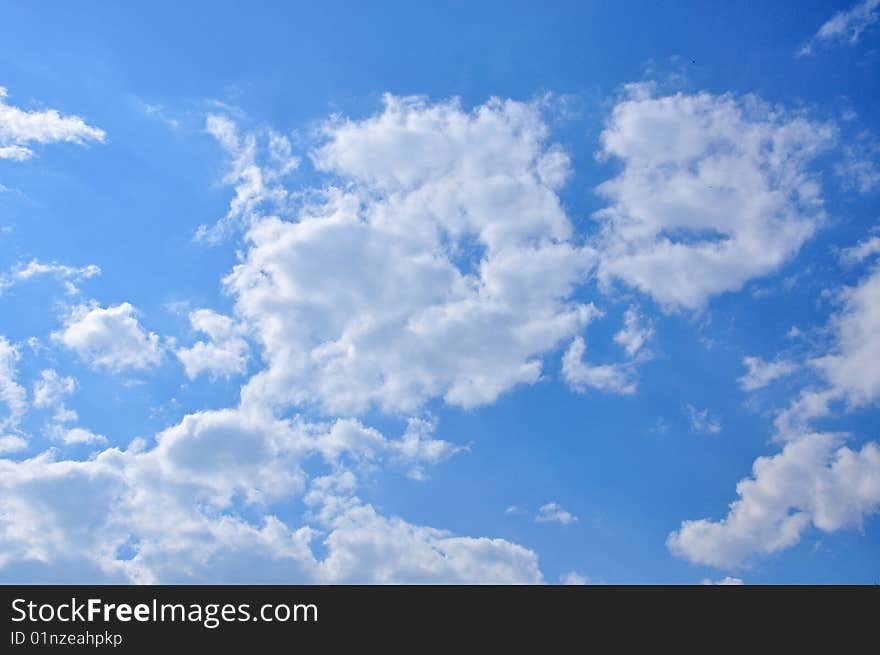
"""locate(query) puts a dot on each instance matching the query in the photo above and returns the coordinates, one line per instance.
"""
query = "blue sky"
(449, 293)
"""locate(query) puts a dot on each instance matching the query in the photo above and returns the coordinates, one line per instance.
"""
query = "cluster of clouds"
(436, 263)
(816, 480)
(167, 513)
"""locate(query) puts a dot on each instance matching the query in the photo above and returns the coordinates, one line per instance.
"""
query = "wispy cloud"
(845, 26)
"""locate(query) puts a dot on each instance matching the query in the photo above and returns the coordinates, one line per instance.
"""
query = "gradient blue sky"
(619, 457)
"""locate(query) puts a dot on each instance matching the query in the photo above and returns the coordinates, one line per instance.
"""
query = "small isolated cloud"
(858, 168)
(702, 421)
(581, 376)
(761, 373)
(110, 338)
(573, 578)
(862, 251)
(635, 333)
(20, 129)
(160, 113)
(74, 436)
(554, 513)
(727, 581)
(67, 275)
(845, 26)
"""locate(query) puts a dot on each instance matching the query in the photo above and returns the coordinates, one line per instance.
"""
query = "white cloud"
(635, 333)
(225, 353)
(176, 512)
(159, 112)
(714, 191)
(15, 153)
(815, 480)
(726, 581)
(554, 513)
(761, 373)
(34, 268)
(862, 251)
(368, 548)
(75, 435)
(580, 376)
(19, 129)
(851, 368)
(12, 394)
(49, 392)
(702, 421)
(68, 275)
(51, 388)
(573, 578)
(10, 443)
(110, 337)
(415, 449)
(812, 481)
(858, 168)
(845, 26)
(441, 266)
(257, 180)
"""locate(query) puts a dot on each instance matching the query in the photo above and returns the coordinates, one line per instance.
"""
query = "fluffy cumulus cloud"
(851, 368)
(813, 481)
(433, 261)
(176, 511)
(110, 338)
(367, 547)
(439, 262)
(846, 26)
(449, 275)
(553, 512)
(816, 480)
(713, 191)
(224, 354)
(21, 129)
